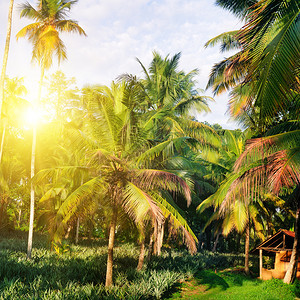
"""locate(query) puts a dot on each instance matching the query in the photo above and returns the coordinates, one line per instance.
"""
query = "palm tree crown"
(50, 20)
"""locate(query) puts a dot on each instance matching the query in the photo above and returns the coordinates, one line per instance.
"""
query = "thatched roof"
(282, 240)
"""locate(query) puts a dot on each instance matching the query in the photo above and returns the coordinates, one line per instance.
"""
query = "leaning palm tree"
(50, 21)
(266, 87)
(267, 165)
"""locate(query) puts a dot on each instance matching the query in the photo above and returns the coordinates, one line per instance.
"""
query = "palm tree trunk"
(20, 214)
(247, 243)
(1, 211)
(160, 238)
(150, 248)
(155, 239)
(111, 241)
(32, 172)
(238, 242)
(5, 56)
(292, 267)
(77, 231)
(78, 221)
(141, 256)
(68, 232)
(2, 140)
(31, 217)
(216, 242)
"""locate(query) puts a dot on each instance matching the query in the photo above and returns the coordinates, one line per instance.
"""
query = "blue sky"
(119, 31)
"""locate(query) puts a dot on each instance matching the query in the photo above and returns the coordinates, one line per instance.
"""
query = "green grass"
(208, 284)
(80, 274)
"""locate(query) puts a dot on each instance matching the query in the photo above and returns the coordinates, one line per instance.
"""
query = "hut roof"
(282, 240)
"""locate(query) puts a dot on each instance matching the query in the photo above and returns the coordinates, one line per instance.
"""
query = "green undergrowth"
(79, 272)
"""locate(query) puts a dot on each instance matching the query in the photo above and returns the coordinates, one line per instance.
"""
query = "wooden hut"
(279, 245)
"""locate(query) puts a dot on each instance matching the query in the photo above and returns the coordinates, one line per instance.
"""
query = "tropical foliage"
(132, 163)
(267, 94)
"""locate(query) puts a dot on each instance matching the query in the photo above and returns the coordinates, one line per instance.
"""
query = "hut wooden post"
(260, 263)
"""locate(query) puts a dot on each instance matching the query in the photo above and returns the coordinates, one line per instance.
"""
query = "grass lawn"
(208, 284)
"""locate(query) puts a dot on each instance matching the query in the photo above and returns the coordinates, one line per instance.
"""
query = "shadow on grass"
(222, 280)
(211, 279)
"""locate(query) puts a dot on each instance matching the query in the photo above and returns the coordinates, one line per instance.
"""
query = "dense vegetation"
(79, 273)
(130, 163)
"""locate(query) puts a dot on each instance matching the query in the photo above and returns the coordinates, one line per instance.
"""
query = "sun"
(33, 116)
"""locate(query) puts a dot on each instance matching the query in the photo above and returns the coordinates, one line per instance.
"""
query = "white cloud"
(118, 32)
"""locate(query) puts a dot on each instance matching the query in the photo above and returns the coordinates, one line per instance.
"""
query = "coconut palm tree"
(5, 56)
(273, 162)
(270, 44)
(171, 95)
(167, 98)
(112, 142)
(271, 40)
(240, 214)
(50, 21)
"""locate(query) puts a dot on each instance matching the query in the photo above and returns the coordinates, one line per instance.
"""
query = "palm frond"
(73, 202)
(228, 41)
(57, 173)
(239, 8)
(27, 10)
(164, 180)
(70, 26)
(274, 42)
(171, 211)
(139, 205)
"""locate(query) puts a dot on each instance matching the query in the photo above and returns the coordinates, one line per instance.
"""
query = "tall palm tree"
(171, 95)
(50, 20)
(168, 96)
(5, 56)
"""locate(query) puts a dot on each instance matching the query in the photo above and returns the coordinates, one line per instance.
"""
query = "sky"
(120, 31)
